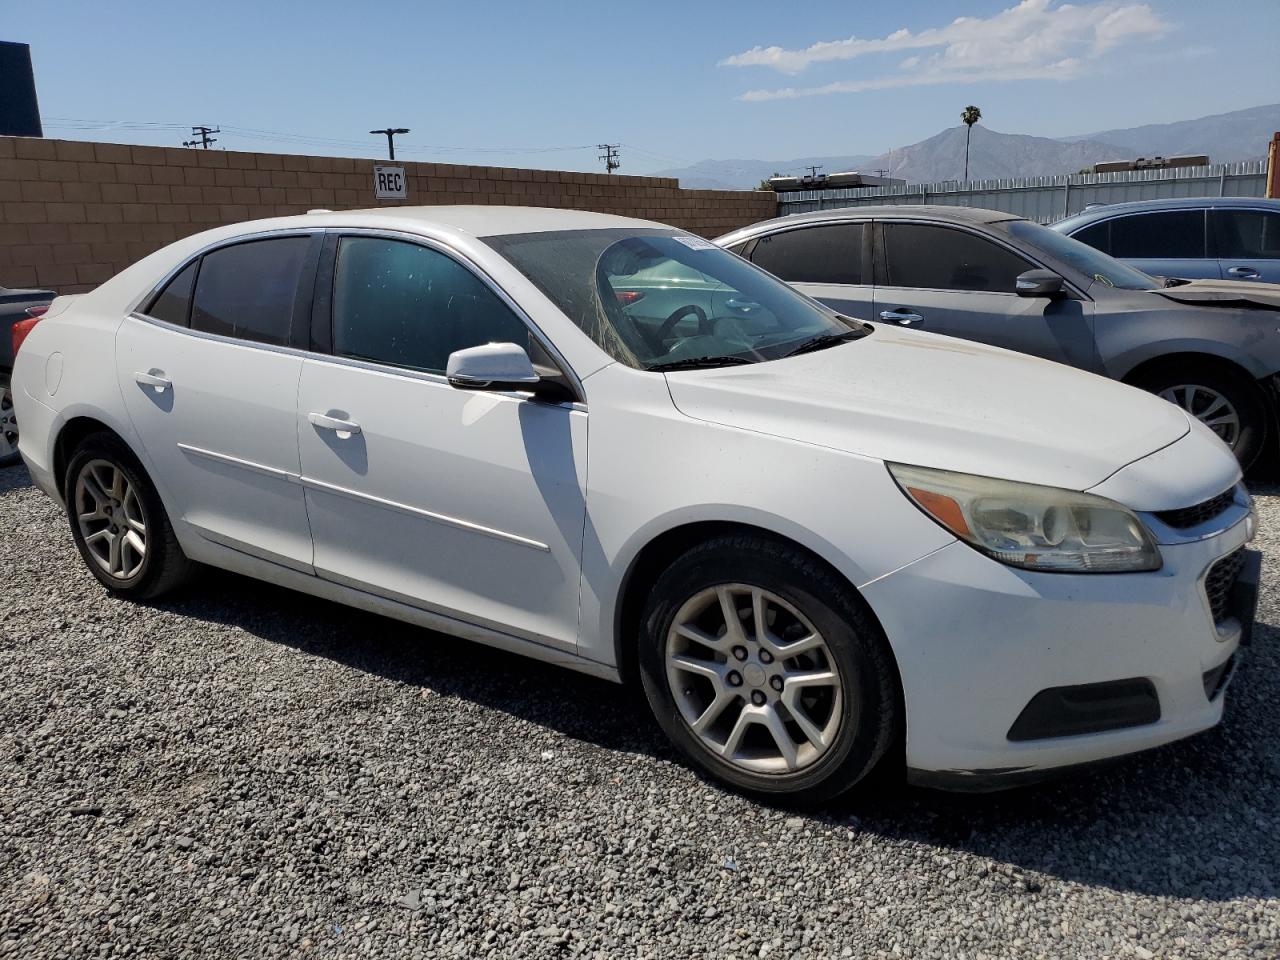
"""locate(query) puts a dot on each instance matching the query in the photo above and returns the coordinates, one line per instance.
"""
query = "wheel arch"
(71, 434)
(1151, 365)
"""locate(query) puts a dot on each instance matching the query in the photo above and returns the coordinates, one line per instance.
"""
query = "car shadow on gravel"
(1196, 819)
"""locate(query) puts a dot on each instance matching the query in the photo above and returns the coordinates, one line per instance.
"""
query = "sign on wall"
(390, 183)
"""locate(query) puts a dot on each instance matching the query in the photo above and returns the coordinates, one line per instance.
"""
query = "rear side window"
(411, 306)
(1247, 234)
(1097, 236)
(823, 254)
(939, 258)
(1178, 234)
(173, 303)
(248, 290)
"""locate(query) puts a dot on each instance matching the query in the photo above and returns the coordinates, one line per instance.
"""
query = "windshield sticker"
(696, 243)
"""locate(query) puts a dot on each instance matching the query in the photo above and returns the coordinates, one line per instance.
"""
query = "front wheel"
(1230, 406)
(766, 670)
(8, 424)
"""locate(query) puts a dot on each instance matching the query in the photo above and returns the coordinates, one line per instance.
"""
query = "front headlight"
(1026, 525)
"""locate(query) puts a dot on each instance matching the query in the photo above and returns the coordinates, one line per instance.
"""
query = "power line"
(200, 137)
(610, 156)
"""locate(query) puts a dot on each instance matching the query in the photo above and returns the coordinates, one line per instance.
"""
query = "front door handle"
(1244, 273)
(152, 378)
(902, 316)
(343, 428)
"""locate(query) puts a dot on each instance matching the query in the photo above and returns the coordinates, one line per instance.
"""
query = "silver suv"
(1000, 279)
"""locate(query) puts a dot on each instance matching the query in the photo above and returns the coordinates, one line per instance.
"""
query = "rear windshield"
(1094, 264)
(652, 297)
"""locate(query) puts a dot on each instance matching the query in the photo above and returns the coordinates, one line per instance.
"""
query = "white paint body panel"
(505, 520)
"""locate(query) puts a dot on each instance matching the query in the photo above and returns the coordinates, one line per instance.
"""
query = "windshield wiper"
(700, 363)
(824, 340)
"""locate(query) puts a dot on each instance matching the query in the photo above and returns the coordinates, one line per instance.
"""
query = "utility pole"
(881, 172)
(813, 169)
(610, 156)
(200, 137)
(391, 144)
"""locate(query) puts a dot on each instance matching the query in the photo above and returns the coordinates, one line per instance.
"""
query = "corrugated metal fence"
(1047, 199)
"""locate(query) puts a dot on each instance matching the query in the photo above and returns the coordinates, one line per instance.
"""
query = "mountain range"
(1225, 137)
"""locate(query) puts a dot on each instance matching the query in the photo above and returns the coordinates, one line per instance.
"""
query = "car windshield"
(1080, 256)
(661, 299)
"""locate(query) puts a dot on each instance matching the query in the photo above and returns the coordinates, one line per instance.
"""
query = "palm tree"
(970, 116)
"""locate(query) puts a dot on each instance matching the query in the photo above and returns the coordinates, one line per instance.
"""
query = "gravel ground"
(245, 772)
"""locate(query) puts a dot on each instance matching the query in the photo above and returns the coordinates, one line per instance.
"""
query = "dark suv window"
(1247, 234)
(173, 303)
(1097, 236)
(824, 254)
(940, 258)
(248, 290)
(1177, 234)
(410, 306)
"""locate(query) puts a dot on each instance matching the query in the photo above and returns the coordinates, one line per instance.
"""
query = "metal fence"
(1046, 199)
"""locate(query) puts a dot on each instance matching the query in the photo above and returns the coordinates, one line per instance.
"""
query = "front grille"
(1219, 584)
(1200, 513)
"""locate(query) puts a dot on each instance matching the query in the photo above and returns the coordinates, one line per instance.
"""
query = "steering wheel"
(705, 327)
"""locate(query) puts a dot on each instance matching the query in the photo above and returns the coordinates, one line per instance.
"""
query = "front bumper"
(977, 641)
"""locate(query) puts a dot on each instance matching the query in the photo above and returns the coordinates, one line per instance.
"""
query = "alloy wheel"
(753, 679)
(8, 422)
(1209, 407)
(111, 519)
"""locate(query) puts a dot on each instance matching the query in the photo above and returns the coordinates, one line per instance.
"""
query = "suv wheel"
(766, 670)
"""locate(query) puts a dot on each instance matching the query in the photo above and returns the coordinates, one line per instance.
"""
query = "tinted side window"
(173, 303)
(939, 258)
(1097, 236)
(248, 290)
(1176, 234)
(410, 306)
(1247, 234)
(829, 254)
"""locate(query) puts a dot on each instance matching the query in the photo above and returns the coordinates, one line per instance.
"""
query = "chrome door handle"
(343, 428)
(1244, 273)
(150, 379)
(904, 317)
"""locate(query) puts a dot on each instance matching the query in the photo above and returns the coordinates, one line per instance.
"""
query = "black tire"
(164, 566)
(870, 713)
(8, 425)
(1238, 390)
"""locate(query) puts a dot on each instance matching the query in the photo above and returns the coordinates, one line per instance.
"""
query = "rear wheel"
(766, 670)
(118, 523)
(8, 424)
(1229, 405)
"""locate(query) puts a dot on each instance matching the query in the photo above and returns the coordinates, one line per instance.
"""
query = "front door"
(213, 396)
(468, 504)
(959, 283)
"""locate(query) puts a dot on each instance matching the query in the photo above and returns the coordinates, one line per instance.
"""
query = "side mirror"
(492, 366)
(1038, 283)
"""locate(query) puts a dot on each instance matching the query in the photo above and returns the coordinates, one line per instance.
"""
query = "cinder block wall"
(73, 213)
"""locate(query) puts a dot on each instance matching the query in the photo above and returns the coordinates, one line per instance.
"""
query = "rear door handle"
(343, 428)
(902, 316)
(153, 379)
(1244, 273)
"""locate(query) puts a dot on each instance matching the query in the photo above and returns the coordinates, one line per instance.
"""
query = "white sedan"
(818, 543)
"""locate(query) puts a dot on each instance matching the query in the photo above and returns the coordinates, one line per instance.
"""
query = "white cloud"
(1033, 40)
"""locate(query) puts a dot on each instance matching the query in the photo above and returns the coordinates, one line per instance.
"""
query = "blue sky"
(512, 83)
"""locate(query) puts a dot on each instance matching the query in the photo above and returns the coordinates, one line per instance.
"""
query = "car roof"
(936, 212)
(1106, 210)
(474, 220)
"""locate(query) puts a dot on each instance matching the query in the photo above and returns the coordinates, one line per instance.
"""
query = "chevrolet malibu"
(818, 543)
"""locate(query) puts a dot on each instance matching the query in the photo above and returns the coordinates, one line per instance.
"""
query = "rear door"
(1247, 243)
(955, 281)
(828, 261)
(210, 379)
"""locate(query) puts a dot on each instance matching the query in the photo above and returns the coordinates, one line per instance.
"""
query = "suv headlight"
(1030, 526)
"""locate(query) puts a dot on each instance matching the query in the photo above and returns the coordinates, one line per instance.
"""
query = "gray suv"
(997, 278)
(1203, 238)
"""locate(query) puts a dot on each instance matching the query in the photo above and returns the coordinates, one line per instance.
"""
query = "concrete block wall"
(73, 213)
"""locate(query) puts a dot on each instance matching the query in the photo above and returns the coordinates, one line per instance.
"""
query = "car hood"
(1225, 293)
(919, 398)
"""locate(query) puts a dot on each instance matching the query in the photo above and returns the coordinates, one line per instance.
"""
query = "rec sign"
(390, 183)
